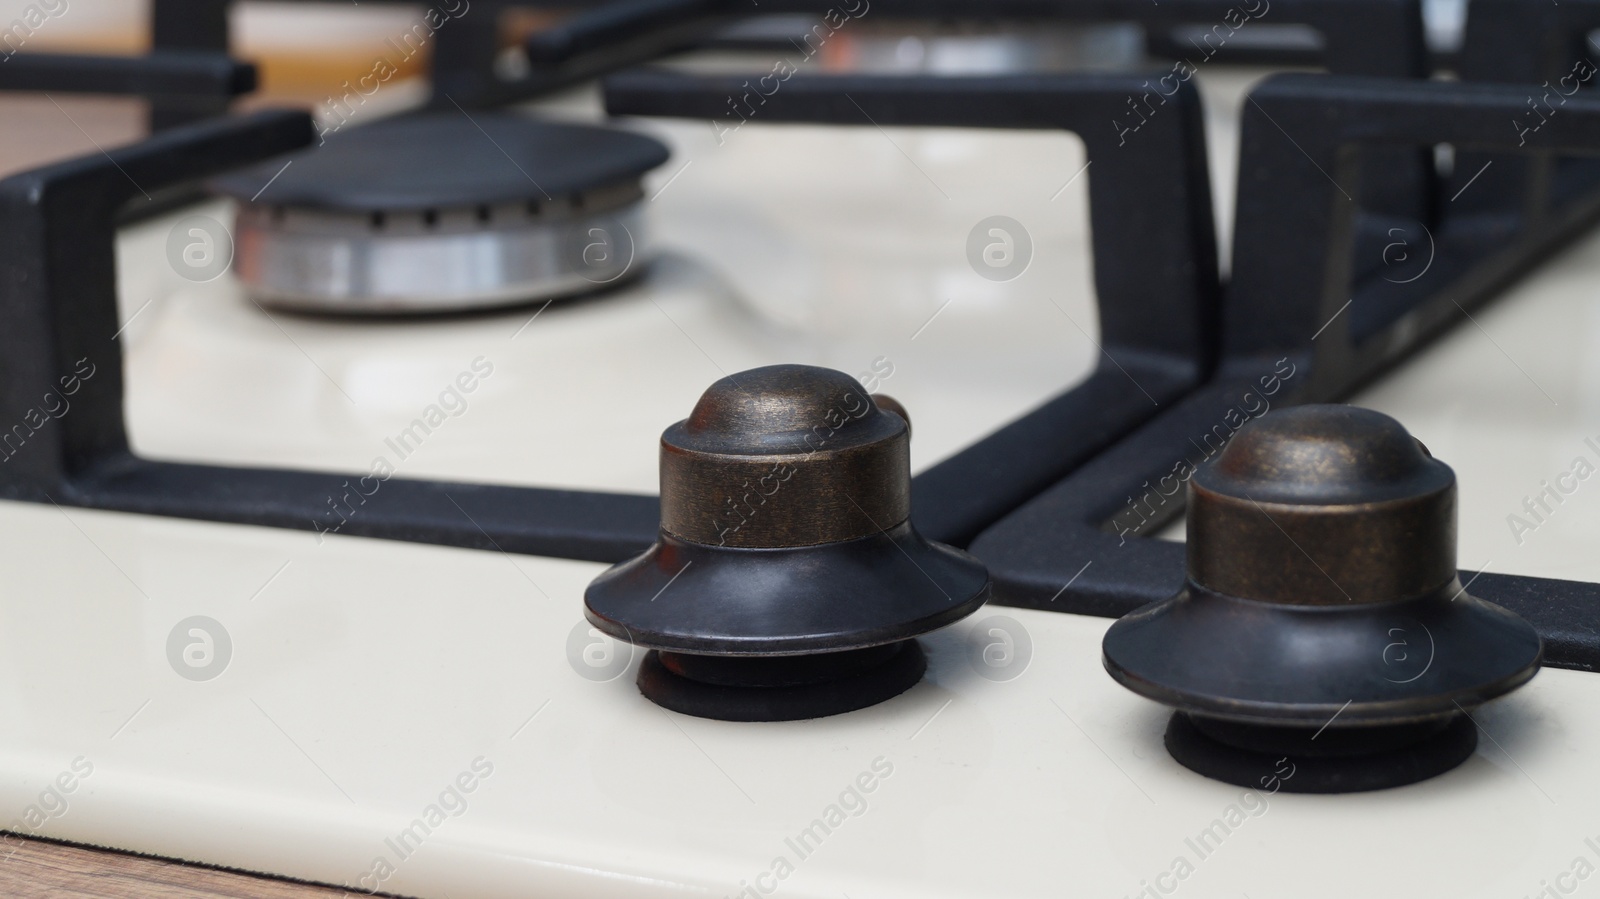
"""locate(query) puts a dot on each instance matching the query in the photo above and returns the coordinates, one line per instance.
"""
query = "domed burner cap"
(448, 161)
(439, 212)
(1322, 599)
(788, 581)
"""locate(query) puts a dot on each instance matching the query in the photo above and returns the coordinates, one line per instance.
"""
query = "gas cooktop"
(871, 450)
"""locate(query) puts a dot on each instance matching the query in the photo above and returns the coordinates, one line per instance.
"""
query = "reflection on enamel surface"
(779, 245)
(354, 694)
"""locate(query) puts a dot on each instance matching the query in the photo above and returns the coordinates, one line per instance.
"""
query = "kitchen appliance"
(211, 659)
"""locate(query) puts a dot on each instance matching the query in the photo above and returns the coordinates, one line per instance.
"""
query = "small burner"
(788, 581)
(1323, 631)
(441, 212)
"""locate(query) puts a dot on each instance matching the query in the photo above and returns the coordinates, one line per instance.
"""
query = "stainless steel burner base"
(436, 261)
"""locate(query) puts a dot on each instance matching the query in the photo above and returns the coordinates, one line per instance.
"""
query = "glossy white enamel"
(783, 244)
(367, 675)
(1509, 400)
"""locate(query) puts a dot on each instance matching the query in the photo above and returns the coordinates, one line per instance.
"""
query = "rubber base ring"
(794, 703)
(1299, 773)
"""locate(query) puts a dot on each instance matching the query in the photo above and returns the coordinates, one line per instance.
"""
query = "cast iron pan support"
(1360, 37)
(464, 50)
(59, 302)
(1292, 279)
(172, 75)
(58, 297)
(1547, 49)
(202, 82)
(1157, 302)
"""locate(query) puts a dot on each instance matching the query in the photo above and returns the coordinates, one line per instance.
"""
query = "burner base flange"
(1403, 754)
(857, 687)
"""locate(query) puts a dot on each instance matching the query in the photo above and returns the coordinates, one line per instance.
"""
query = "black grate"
(1076, 546)
(1331, 167)
(59, 290)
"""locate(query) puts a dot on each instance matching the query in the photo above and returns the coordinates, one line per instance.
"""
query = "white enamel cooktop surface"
(1509, 401)
(367, 676)
(363, 678)
(838, 247)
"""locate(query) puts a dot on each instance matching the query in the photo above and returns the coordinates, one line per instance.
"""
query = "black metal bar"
(195, 26)
(188, 76)
(570, 524)
(465, 51)
(214, 76)
(1157, 306)
(957, 499)
(1282, 51)
(190, 24)
(1288, 336)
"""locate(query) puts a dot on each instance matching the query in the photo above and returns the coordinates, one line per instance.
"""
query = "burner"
(788, 581)
(1323, 629)
(442, 212)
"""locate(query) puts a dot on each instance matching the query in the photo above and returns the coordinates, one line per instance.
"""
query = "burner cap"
(788, 578)
(441, 212)
(774, 426)
(449, 161)
(1322, 593)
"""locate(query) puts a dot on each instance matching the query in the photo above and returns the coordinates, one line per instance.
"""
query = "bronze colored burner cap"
(1323, 505)
(1322, 582)
(785, 529)
(782, 410)
(810, 435)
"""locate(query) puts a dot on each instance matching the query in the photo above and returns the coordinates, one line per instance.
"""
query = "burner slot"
(464, 219)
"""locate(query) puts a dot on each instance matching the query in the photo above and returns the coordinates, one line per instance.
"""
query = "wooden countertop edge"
(33, 868)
